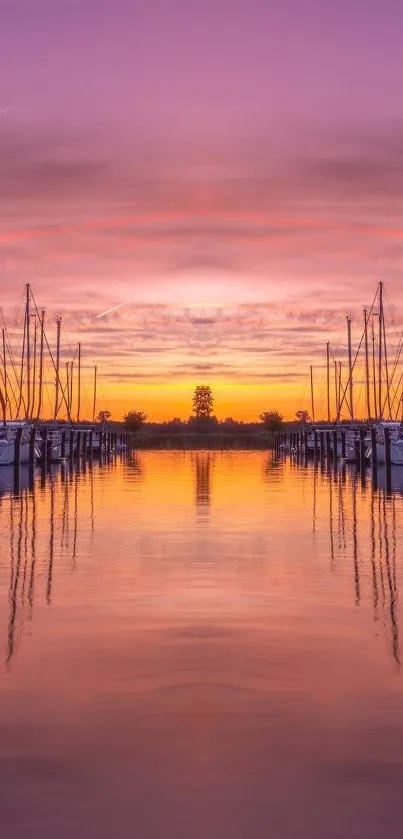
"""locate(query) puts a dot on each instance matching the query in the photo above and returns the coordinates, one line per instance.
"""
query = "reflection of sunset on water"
(199, 620)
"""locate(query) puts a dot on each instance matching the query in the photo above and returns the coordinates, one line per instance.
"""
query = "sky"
(232, 169)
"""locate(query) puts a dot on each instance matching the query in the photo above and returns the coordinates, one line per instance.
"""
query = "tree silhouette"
(104, 416)
(303, 417)
(272, 420)
(134, 420)
(203, 401)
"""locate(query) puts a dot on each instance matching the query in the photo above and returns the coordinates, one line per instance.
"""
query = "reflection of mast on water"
(75, 515)
(342, 516)
(331, 523)
(392, 590)
(380, 540)
(355, 545)
(65, 513)
(15, 576)
(315, 479)
(203, 479)
(375, 592)
(51, 540)
(33, 554)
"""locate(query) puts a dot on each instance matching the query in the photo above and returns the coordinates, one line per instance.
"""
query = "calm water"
(201, 646)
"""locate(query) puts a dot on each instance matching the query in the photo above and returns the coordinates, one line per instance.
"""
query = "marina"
(250, 630)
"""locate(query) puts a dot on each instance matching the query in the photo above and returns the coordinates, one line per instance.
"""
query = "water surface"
(201, 645)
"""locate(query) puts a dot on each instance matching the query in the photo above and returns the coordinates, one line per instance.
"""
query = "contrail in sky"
(113, 309)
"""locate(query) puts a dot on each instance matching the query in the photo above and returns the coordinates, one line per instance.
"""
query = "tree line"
(203, 417)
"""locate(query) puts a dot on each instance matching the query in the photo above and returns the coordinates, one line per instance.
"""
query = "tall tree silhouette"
(203, 401)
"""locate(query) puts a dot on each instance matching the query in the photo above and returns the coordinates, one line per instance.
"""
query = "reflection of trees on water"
(202, 467)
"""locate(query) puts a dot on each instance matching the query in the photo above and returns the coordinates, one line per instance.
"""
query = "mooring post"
(343, 444)
(17, 459)
(362, 450)
(49, 450)
(328, 446)
(322, 445)
(91, 445)
(334, 436)
(63, 444)
(315, 444)
(374, 459)
(32, 447)
(388, 462)
(71, 447)
(44, 448)
(357, 450)
(78, 444)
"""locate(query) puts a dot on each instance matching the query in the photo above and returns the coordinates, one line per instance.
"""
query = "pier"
(330, 446)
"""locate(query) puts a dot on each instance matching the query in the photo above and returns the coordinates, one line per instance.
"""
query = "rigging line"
(52, 359)
(397, 359)
(10, 352)
(356, 356)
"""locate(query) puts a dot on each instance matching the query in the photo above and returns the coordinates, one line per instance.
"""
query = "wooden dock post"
(32, 446)
(388, 463)
(328, 446)
(63, 444)
(362, 451)
(374, 459)
(48, 451)
(322, 445)
(17, 459)
(44, 448)
(72, 443)
(91, 445)
(334, 444)
(78, 445)
(315, 444)
(343, 444)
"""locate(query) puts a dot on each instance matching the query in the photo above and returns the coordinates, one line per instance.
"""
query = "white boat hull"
(396, 452)
(7, 455)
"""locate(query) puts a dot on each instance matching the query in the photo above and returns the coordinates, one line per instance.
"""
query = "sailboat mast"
(367, 385)
(58, 327)
(350, 368)
(34, 369)
(95, 394)
(5, 366)
(312, 397)
(28, 318)
(386, 366)
(328, 379)
(71, 387)
(42, 320)
(79, 383)
(68, 389)
(336, 388)
(374, 369)
(380, 350)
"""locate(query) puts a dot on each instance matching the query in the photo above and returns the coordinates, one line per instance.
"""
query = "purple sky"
(227, 157)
